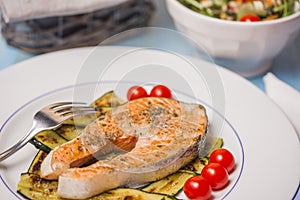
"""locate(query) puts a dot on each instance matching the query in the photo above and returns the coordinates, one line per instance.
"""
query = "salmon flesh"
(154, 137)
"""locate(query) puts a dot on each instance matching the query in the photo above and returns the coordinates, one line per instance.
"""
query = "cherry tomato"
(216, 175)
(198, 188)
(136, 92)
(250, 18)
(224, 157)
(161, 91)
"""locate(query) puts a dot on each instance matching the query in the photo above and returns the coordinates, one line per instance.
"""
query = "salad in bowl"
(243, 10)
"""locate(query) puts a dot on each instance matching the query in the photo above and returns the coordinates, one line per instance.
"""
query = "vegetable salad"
(244, 10)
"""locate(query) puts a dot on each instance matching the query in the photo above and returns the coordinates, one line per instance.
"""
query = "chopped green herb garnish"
(101, 118)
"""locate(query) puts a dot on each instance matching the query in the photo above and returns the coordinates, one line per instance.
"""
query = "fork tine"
(75, 109)
(79, 112)
(70, 114)
(62, 104)
(69, 109)
(50, 117)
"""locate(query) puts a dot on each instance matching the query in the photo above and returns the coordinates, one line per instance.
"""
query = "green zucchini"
(69, 131)
(47, 140)
(132, 194)
(35, 166)
(32, 186)
(104, 109)
(197, 165)
(213, 143)
(82, 120)
(170, 185)
(73, 127)
(109, 99)
(103, 104)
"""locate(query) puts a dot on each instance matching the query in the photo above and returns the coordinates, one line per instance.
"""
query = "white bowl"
(246, 48)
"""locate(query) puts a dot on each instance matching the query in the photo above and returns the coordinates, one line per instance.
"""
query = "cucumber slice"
(255, 7)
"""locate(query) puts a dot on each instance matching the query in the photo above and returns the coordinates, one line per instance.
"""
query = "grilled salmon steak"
(157, 136)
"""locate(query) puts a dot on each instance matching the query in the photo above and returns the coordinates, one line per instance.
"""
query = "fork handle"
(21, 143)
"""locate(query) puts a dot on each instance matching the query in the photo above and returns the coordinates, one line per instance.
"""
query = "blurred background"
(285, 66)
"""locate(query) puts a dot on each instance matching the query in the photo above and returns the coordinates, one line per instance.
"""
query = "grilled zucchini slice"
(82, 120)
(104, 109)
(103, 104)
(47, 140)
(197, 165)
(35, 166)
(170, 185)
(215, 143)
(132, 194)
(109, 99)
(69, 131)
(32, 186)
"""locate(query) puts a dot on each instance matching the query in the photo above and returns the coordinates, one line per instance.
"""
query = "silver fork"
(49, 117)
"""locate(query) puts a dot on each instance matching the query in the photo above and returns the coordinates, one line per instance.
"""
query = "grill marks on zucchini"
(35, 166)
(130, 194)
(47, 140)
(33, 187)
(69, 131)
(170, 185)
(82, 120)
(109, 99)
(197, 165)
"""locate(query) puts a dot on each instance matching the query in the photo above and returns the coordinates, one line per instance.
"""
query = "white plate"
(263, 141)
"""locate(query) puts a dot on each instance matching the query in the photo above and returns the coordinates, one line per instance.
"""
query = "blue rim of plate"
(125, 82)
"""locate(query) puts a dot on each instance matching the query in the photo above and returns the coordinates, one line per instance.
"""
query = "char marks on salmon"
(157, 136)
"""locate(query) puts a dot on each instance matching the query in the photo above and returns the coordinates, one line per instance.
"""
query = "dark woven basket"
(88, 29)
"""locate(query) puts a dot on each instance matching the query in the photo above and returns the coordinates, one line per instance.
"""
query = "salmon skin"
(157, 136)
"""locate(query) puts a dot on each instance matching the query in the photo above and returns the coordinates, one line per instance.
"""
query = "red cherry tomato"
(216, 175)
(250, 18)
(198, 188)
(136, 92)
(161, 91)
(224, 157)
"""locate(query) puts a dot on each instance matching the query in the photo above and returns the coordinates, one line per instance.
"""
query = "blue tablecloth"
(286, 66)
